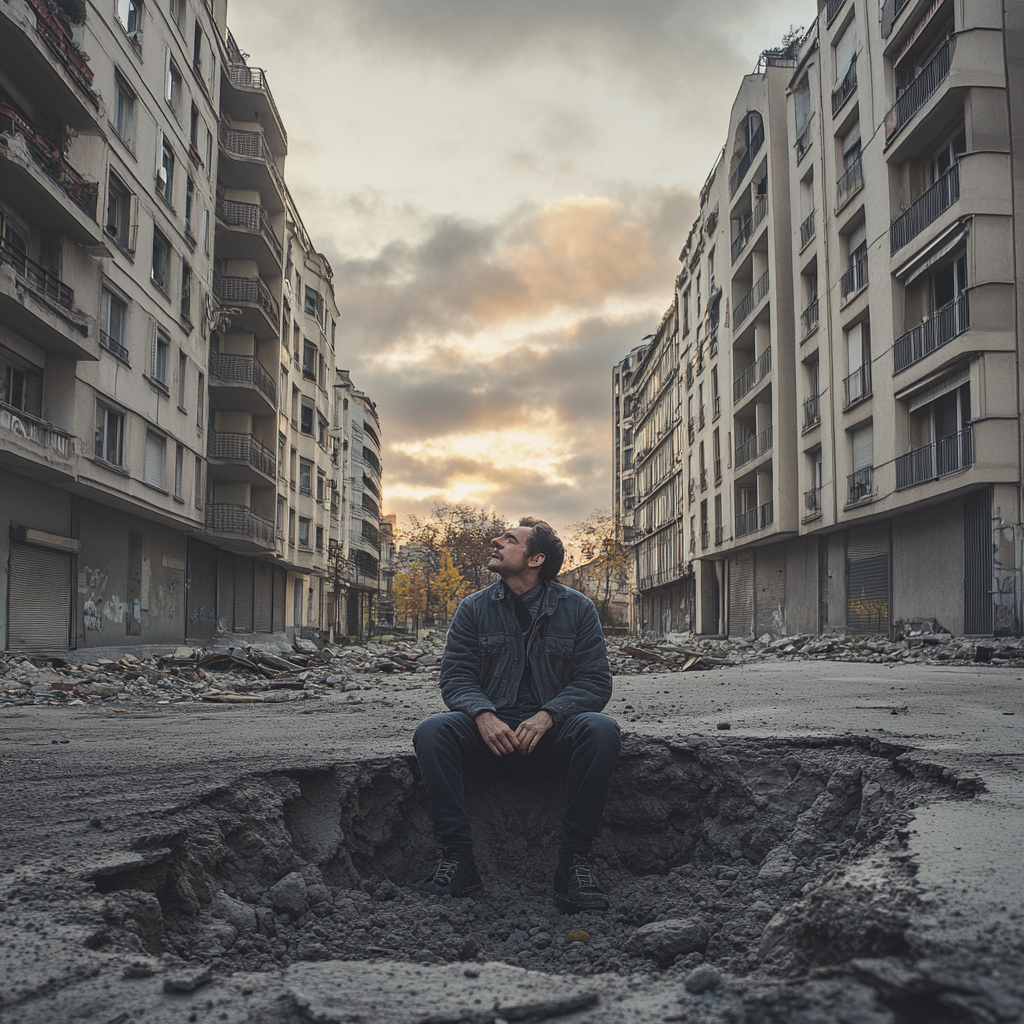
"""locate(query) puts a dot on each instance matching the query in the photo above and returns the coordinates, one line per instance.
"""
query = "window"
(845, 51)
(124, 112)
(178, 13)
(293, 462)
(161, 271)
(122, 213)
(161, 348)
(206, 231)
(182, 379)
(165, 173)
(309, 356)
(305, 477)
(280, 455)
(22, 388)
(109, 443)
(802, 109)
(304, 525)
(321, 480)
(179, 469)
(319, 538)
(306, 422)
(861, 480)
(114, 332)
(311, 301)
(291, 526)
(197, 50)
(172, 84)
(197, 484)
(282, 508)
(947, 155)
(321, 431)
(200, 401)
(190, 196)
(209, 150)
(186, 291)
(858, 347)
(155, 464)
(129, 14)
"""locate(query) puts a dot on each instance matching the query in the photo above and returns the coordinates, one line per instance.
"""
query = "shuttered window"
(40, 599)
(863, 448)
(155, 466)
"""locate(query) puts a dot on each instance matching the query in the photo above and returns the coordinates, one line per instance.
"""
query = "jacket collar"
(554, 592)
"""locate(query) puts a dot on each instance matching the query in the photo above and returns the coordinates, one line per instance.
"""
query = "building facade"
(862, 357)
(161, 477)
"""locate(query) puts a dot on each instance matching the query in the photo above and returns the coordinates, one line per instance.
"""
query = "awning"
(953, 236)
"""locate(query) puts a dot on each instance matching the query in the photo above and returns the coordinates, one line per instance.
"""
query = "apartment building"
(155, 280)
(864, 374)
(623, 487)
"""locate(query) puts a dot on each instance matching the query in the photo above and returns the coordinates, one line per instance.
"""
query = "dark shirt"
(526, 606)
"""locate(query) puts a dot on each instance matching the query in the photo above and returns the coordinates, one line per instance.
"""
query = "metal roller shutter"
(770, 591)
(978, 562)
(868, 609)
(262, 597)
(243, 594)
(225, 591)
(39, 599)
(741, 594)
(201, 591)
(280, 596)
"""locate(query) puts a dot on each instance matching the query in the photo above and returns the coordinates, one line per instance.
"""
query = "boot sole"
(467, 891)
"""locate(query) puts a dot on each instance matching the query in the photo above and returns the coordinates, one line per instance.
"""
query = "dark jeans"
(585, 745)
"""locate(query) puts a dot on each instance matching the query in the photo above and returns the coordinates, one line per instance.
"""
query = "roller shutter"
(39, 599)
(770, 591)
(280, 597)
(243, 594)
(225, 591)
(201, 591)
(741, 594)
(868, 608)
(262, 597)
(978, 617)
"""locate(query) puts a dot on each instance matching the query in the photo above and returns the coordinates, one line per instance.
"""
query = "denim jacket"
(484, 657)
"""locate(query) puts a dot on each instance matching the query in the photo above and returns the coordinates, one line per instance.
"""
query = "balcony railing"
(856, 277)
(860, 486)
(812, 503)
(941, 327)
(757, 446)
(857, 385)
(114, 346)
(251, 216)
(240, 521)
(716, 408)
(718, 470)
(691, 492)
(939, 458)
(809, 318)
(842, 92)
(749, 302)
(925, 209)
(58, 34)
(719, 534)
(241, 448)
(752, 376)
(914, 97)
(37, 276)
(807, 229)
(51, 162)
(31, 428)
(803, 142)
(705, 539)
(704, 479)
(235, 369)
(255, 78)
(812, 411)
(246, 289)
(755, 519)
(746, 160)
(834, 7)
(251, 145)
(849, 183)
(749, 227)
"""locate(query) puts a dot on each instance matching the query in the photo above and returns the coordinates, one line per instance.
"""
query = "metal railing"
(856, 277)
(235, 369)
(756, 142)
(914, 97)
(857, 385)
(753, 375)
(700, 418)
(113, 346)
(704, 479)
(941, 327)
(245, 77)
(758, 445)
(803, 142)
(58, 34)
(37, 276)
(755, 519)
(51, 162)
(716, 408)
(240, 521)
(812, 411)
(938, 458)
(849, 183)
(251, 216)
(925, 209)
(252, 146)
(31, 428)
(749, 227)
(812, 502)
(251, 290)
(834, 7)
(860, 485)
(719, 534)
(842, 92)
(749, 302)
(705, 539)
(241, 448)
(807, 229)
(809, 318)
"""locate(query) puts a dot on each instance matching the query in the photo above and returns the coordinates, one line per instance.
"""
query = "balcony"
(35, 176)
(803, 142)
(857, 386)
(752, 376)
(239, 521)
(243, 458)
(748, 228)
(241, 382)
(249, 90)
(754, 519)
(914, 97)
(812, 504)
(691, 432)
(249, 164)
(940, 458)
(809, 319)
(860, 486)
(260, 314)
(27, 441)
(807, 230)
(758, 445)
(941, 327)
(756, 142)
(751, 300)
(856, 278)
(844, 90)
(700, 418)
(926, 209)
(850, 183)
(250, 234)
(812, 411)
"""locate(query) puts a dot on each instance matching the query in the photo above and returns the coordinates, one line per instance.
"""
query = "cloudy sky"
(502, 188)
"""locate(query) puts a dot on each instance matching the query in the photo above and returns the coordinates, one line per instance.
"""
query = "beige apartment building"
(849, 333)
(167, 337)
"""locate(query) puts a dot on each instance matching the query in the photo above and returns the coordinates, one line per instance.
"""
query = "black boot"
(576, 889)
(455, 874)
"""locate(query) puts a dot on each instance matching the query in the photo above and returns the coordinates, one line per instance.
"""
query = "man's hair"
(544, 541)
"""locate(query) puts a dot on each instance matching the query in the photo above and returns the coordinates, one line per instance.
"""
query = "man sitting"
(525, 675)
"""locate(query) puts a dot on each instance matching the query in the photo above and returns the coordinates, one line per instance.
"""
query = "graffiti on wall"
(1005, 576)
(97, 606)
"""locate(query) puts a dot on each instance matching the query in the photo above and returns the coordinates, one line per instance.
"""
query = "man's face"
(509, 557)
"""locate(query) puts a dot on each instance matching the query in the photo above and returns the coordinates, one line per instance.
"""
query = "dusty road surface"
(848, 849)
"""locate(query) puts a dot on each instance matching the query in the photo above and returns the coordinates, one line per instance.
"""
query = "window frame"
(101, 447)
